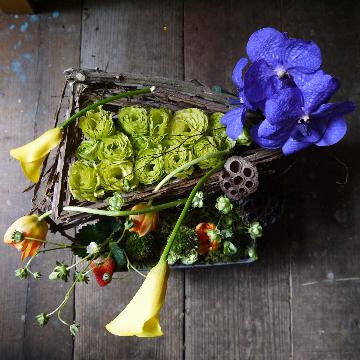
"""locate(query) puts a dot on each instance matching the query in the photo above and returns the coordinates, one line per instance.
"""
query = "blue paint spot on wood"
(12, 27)
(17, 68)
(55, 14)
(17, 45)
(24, 26)
(34, 18)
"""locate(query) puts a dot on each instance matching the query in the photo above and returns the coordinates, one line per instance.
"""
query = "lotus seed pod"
(239, 178)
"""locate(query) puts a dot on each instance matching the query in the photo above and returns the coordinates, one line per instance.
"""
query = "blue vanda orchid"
(277, 62)
(296, 118)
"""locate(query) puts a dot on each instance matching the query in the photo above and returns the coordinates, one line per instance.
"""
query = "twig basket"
(86, 86)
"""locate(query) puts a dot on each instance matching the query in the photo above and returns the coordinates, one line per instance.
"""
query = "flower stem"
(168, 205)
(186, 208)
(79, 262)
(105, 101)
(44, 215)
(167, 178)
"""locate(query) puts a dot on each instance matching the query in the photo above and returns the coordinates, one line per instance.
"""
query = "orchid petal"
(335, 131)
(260, 82)
(284, 107)
(292, 146)
(302, 55)
(234, 122)
(237, 75)
(265, 44)
(334, 109)
(266, 143)
(317, 88)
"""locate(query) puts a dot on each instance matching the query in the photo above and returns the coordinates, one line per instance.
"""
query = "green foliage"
(244, 138)
(118, 254)
(42, 319)
(184, 247)
(98, 233)
(60, 272)
(144, 248)
(96, 124)
(115, 202)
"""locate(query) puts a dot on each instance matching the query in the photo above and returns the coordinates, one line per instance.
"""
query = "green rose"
(188, 125)
(117, 176)
(134, 120)
(83, 181)
(115, 148)
(206, 145)
(177, 156)
(149, 166)
(96, 124)
(87, 150)
(158, 123)
(218, 131)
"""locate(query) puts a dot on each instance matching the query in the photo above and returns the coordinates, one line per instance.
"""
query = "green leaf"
(97, 233)
(118, 255)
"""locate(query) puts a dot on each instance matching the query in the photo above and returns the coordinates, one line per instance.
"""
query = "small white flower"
(92, 248)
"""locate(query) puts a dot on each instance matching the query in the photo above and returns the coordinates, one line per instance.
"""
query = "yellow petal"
(32, 170)
(32, 155)
(39, 148)
(141, 316)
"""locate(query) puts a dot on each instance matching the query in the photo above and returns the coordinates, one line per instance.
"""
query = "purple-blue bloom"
(277, 62)
(296, 118)
(285, 82)
(234, 119)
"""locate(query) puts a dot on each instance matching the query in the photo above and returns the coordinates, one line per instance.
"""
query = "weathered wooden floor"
(301, 300)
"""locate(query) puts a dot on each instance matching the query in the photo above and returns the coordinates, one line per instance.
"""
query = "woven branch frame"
(85, 86)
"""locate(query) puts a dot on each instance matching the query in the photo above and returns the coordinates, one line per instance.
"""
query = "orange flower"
(23, 231)
(144, 223)
(206, 244)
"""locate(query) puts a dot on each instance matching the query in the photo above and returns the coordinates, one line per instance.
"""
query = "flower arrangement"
(282, 105)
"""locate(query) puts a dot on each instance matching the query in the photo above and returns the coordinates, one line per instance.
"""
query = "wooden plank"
(238, 312)
(32, 63)
(130, 36)
(325, 263)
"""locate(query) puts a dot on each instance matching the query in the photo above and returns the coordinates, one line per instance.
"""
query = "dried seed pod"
(239, 178)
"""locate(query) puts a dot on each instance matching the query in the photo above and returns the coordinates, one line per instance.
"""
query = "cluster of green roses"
(141, 145)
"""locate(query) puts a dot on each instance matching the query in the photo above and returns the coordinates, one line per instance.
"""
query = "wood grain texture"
(32, 64)
(130, 36)
(325, 261)
(239, 312)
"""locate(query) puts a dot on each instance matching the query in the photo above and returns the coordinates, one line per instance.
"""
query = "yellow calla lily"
(33, 154)
(141, 317)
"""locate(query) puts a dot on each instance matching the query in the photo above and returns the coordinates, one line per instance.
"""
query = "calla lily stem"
(186, 208)
(105, 101)
(150, 209)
